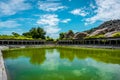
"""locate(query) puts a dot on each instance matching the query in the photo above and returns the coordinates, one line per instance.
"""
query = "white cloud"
(11, 7)
(106, 10)
(92, 6)
(80, 12)
(50, 24)
(52, 31)
(66, 20)
(9, 24)
(48, 19)
(50, 6)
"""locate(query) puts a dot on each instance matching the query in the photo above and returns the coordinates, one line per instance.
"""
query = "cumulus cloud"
(9, 24)
(92, 6)
(49, 19)
(52, 30)
(80, 12)
(66, 20)
(50, 24)
(106, 10)
(11, 7)
(50, 6)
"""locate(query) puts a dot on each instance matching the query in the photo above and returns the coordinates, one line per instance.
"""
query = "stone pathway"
(3, 75)
(0, 69)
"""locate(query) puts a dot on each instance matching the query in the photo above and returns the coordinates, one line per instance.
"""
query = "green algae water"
(62, 64)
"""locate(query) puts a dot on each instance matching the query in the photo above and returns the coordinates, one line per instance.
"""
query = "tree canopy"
(35, 33)
(61, 36)
(67, 35)
(15, 34)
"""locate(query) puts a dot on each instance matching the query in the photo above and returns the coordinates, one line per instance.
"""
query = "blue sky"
(55, 16)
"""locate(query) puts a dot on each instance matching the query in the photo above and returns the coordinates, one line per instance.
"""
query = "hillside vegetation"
(107, 29)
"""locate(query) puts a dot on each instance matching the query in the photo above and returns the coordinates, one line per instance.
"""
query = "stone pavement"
(3, 75)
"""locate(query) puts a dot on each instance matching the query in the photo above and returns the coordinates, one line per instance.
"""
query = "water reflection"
(38, 55)
(62, 64)
(107, 56)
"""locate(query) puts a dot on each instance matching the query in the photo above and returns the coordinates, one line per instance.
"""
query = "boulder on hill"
(99, 32)
(107, 28)
(110, 34)
(80, 35)
(69, 35)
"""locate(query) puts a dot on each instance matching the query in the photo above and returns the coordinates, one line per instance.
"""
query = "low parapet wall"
(3, 75)
(97, 41)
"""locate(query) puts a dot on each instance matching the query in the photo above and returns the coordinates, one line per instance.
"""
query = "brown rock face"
(110, 34)
(107, 28)
(69, 35)
(80, 35)
(98, 32)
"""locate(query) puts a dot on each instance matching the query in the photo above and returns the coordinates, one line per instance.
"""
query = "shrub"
(96, 36)
(117, 34)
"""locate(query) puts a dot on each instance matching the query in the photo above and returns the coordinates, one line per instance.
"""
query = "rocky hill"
(107, 29)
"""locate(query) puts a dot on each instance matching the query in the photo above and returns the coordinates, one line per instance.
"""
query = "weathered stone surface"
(109, 34)
(107, 28)
(80, 35)
(69, 35)
(3, 75)
(98, 32)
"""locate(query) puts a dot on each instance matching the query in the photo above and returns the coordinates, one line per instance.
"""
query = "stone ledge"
(3, 75)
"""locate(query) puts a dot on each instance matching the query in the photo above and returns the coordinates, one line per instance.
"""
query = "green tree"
(15, 34)
(61, 36)
(27, 34)
(69, 35)
(35, 33)
(117, 34)
(49, 38)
